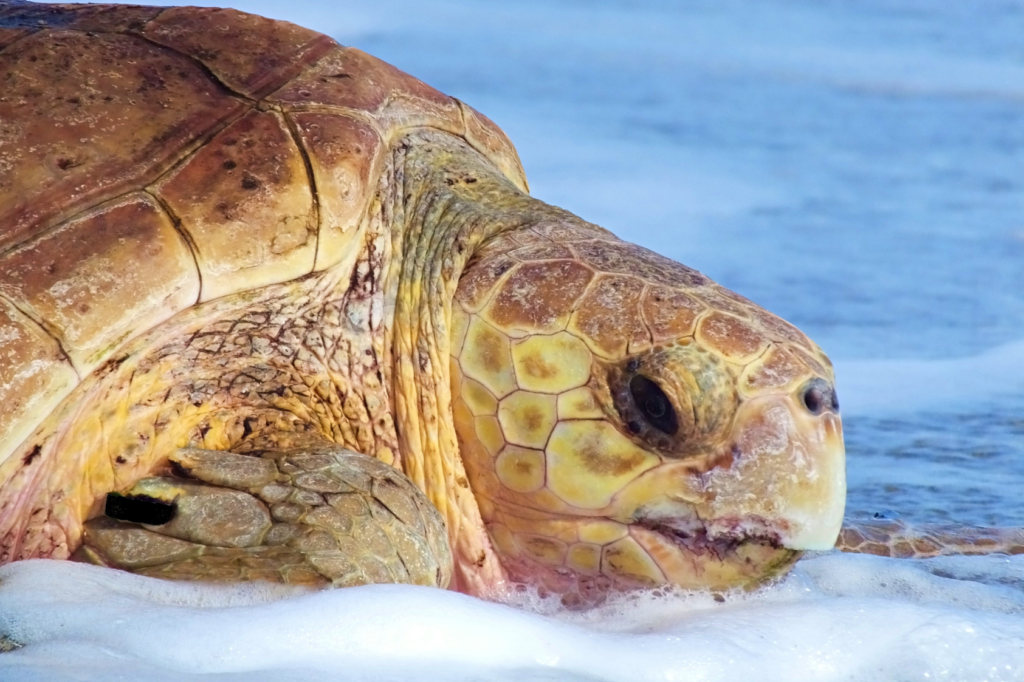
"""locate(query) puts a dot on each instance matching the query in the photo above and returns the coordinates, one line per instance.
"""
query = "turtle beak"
(788, 470)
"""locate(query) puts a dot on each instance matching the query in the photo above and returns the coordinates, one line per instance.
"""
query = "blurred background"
(855, 166)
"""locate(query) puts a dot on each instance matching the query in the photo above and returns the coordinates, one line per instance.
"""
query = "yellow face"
(626, 422)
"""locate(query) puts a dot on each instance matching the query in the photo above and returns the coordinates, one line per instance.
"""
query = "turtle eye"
(654, 404)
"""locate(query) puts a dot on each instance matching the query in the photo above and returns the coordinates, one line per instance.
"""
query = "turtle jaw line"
(696, 537)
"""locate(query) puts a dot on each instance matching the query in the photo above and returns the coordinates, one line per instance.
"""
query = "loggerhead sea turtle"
(272, 309)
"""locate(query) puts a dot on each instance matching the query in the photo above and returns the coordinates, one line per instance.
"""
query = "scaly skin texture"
(312, 516)
(919, 541)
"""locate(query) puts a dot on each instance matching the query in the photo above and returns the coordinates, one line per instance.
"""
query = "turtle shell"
(155, 158)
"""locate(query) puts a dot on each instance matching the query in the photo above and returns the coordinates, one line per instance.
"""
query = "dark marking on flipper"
(139, 509)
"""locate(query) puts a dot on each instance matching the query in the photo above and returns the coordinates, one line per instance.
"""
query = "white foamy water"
(836, 617)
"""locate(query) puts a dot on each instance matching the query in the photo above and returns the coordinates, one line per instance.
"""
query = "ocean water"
(856, 166)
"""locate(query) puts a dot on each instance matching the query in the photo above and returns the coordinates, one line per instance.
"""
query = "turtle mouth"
(719, 539)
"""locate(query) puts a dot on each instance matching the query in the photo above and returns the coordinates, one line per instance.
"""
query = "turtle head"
(625, 421)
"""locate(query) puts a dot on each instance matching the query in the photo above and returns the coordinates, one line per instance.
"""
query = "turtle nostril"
(819, 396)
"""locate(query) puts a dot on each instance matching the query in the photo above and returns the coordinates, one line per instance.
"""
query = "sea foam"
(835, 617)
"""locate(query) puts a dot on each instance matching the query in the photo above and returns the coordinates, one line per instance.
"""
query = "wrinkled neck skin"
(446, 201)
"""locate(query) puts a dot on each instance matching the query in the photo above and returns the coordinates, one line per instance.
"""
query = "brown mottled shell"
(153, 158)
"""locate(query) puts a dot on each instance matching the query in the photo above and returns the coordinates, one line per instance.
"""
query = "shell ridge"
(396, 129)
(144, 186)
(206, 71)
(57, 224)
(142, 183)
(293, 131)
(46, 328)
(464, 115)
(297, 62)
(315, 49)
(183, 234)
(360, 115)
(325, 45)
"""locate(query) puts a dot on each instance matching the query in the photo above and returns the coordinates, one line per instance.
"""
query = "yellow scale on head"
(551, 362)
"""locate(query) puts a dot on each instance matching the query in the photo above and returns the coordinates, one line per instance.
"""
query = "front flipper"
(888, 537)
(319, 517)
